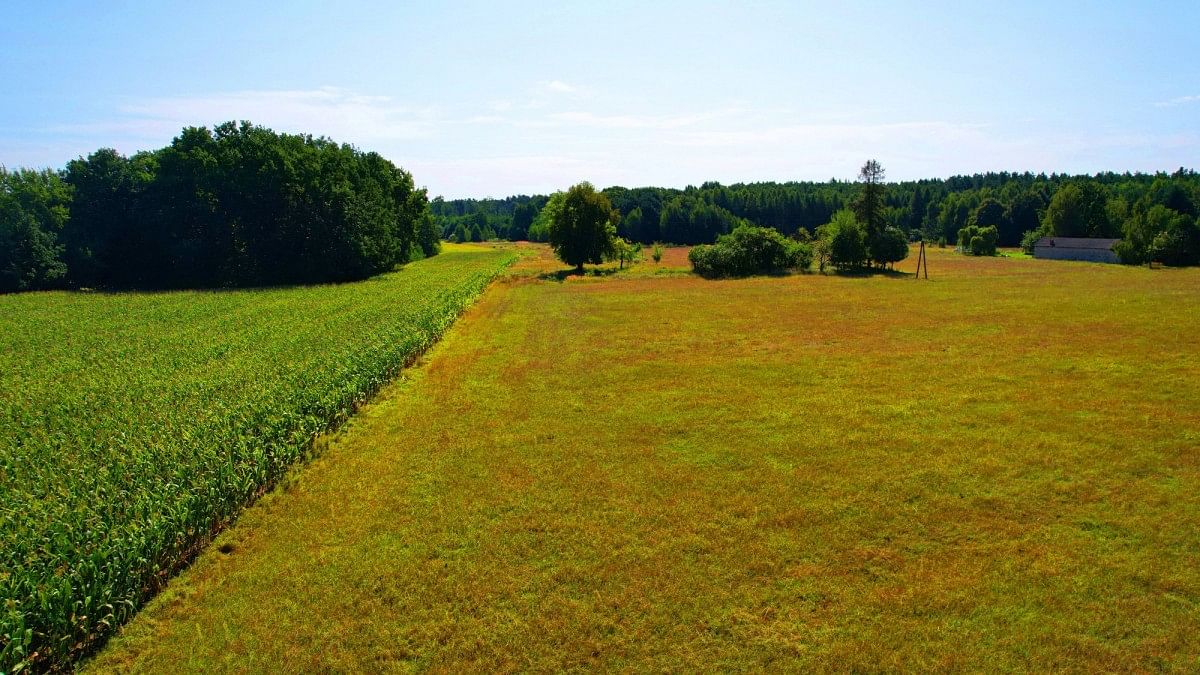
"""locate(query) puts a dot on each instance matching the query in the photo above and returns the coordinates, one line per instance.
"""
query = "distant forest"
(1104, 205)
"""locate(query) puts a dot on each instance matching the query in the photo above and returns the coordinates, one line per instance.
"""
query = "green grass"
(993, 470)
(134, 425)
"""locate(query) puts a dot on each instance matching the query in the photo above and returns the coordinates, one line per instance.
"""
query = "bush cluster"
(750, 250)
(846, 243)
(978, 240)
(1160, 234)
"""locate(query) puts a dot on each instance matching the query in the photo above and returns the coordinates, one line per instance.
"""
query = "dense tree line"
(1155, 214)
(485, 219)
(237, 205)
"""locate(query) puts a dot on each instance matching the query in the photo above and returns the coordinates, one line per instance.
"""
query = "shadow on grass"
(870, 272)
(150, 289)
(600, 272)
(562, 275)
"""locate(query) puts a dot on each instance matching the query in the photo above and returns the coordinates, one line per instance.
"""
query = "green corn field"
(135, 425)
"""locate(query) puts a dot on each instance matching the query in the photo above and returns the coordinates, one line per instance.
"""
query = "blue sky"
(496, 98)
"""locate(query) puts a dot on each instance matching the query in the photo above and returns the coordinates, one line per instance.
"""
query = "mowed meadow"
(995, 469)
(135, 425)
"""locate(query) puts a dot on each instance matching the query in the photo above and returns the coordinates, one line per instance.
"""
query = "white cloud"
(634, 121)
(560, 87)
(522, 174)
(338, 113)
(1181, 100)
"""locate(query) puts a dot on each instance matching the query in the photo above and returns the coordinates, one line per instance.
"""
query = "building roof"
(1077, 242)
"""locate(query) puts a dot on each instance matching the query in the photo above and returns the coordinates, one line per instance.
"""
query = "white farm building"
(1076, 248)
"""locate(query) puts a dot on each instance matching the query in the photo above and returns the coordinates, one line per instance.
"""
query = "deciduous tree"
(584, 228)
(1079, 209)
(33, 209)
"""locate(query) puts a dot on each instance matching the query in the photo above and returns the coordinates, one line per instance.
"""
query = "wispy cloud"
(638, 121)
(540, 96)
(827, 134)
(523, 173)
(560, 87)
(1181, 100)
(339, 113)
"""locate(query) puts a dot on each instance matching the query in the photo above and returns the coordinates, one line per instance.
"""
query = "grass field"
(133, 425)
(992, 470)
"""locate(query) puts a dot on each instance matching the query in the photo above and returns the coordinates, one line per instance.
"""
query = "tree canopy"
(34, 207)
(846, 240)
(583, 230)
(236, 205)
(1078, 209)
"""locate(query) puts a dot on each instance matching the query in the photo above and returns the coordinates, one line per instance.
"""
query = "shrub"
(1030, 240)
(1179, 245)
(845, 239)
(708, 260)
(624, 251)
(986, 236)
(821, 250)
(749, 250)
(657, 252)
(804, 254)
(1162, 234)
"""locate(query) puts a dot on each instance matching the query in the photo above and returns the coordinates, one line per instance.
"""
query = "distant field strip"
(132, 425)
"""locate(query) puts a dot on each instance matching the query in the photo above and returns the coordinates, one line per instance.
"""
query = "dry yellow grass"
(993, 470)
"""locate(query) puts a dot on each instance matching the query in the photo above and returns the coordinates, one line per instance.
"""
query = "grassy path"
(995, 470)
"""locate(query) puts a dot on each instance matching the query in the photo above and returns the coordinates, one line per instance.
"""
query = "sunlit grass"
(994, 470)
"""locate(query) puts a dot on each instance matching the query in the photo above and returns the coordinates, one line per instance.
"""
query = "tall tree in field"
(583, 231)
(870, 207)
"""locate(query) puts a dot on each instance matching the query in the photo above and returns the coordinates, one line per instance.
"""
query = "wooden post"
(921, 259)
